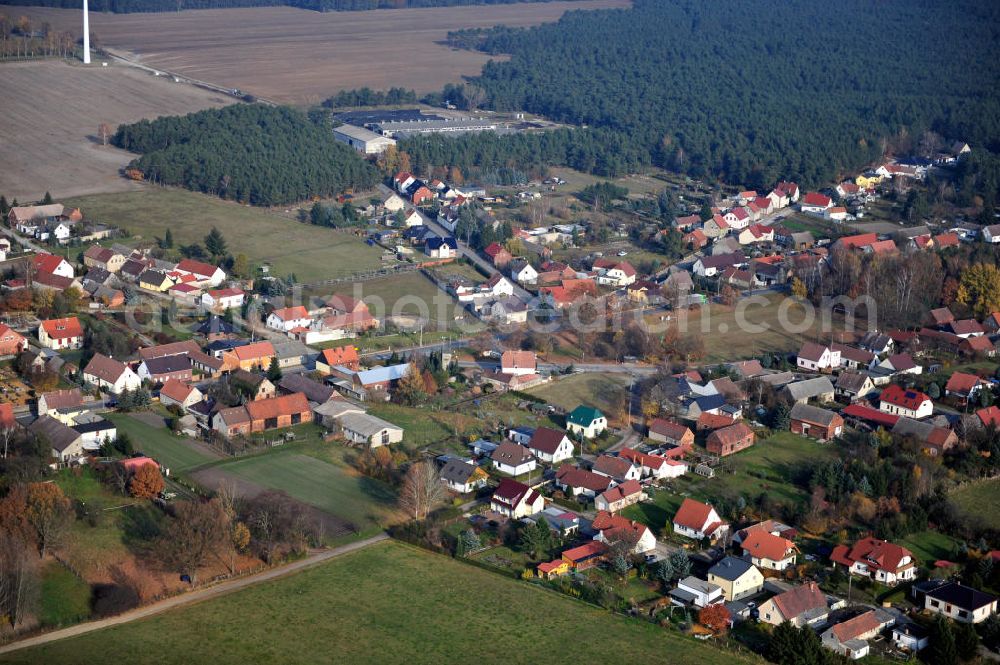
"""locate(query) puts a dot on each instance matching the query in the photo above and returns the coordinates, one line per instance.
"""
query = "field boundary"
(195, 596)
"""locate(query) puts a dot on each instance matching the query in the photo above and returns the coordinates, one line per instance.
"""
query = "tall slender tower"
(86, 34)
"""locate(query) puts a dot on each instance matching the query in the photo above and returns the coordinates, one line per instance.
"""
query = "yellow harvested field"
(51, 111)
(300, 56)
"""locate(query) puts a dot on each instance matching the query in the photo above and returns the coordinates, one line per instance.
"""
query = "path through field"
(196, 596)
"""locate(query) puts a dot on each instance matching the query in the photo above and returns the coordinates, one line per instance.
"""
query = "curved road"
(195, 596)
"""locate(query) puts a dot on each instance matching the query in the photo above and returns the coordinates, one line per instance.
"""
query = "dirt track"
(298, 56)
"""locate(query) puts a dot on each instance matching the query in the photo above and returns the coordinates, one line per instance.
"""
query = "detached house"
(850, 638)
(620, 469)
(817, 357)
(737, 578)
(815, 422)
(61, 334)
(902, 402)
(879, 560)
(960, 603)
(964, 387)
(203, 273)
(463, 477)
(767, 550)
(619, 497)
(815, 202)
(729, 440)
(161, 370)
(611, 528)
(11, 342)
(667, 431)
(805, 605)
(698, 520)
(518, 363)
(287, 319)
(513, 459)
(576, 482)
(110, 375)
(586, 421)
(516, 500)
(550, 445)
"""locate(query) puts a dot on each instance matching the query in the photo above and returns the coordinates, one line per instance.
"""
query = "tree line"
(141, 6)
(256, 154)
(678, 85)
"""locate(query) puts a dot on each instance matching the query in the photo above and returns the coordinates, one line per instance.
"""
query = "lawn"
(409, 294)
(423, 427)
(982, 499)
(310, 252)
(65, 598)
(602, 391)
(331, 487)
(177, 453)
(728, 334)
(930, 546)
(388, 603)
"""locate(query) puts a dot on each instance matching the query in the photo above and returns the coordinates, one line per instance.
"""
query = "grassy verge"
(174, 452)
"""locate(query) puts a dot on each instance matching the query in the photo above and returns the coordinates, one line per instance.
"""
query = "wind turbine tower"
(86, 34)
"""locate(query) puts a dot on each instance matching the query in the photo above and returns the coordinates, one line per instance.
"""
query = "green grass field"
(310, 252)
(388, 603)
(930, 546)
(172, 451)
(65, 598)
(331, 487)
(981, 499)
(600, 391)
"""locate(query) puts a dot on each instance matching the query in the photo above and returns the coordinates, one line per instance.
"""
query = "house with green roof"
(586, 421)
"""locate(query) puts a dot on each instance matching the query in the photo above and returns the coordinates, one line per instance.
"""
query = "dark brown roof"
(546, 440)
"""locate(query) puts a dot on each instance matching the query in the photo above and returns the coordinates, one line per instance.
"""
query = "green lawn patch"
(929, 546)
(177, 453)
(333, 488)
(982, 499)
(65, 598)
(310, 252)
(388, 603)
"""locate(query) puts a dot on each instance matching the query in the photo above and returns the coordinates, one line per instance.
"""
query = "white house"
(610, 528)
(991, 233)
(289, 318)
(961, 603)
(498, 286)
(818, 357)
(879, 560)
(204, 273)
(441, 248)
(586, 421)
(523, 273)
(413, 219)
(363, 140)
(374, 432)
(66, 333)
(513, 459)
(222, 299)
(550, 445)
(618, 275)
(516, 500)
(394, 203)
(110, 375)
(697, 592)
(698, 520)
(902, 402)
(518, 363)
(910, 637)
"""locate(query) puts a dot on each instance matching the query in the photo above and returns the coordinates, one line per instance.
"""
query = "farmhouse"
(655, 466)
(518, 363)
(879, 560)
(49, 264)
(619, 468)
(103, 257)
(667, 431)
(964, 387)
(60, 334)
(179, 393)
(110, 375)
(203, 273)
(287, 319)
(219, 300)
(278, 412)
(59, 399)
(249, 356)
(737, 578)
(818, 388)
(698, 520)
(729, 440)
(66, 443)
(815, 422)
(899, 401)
(516, 500)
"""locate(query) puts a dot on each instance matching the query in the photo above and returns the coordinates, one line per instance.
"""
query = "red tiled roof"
(619, 492)
(876, 554)
(859, 625)
(962, 383)
(812, 351)
(668, 429)
(906, 399)
(946, 240)
(762, 544)
(692, 514)
(712, 421)
(275, 407)
(731, 435)
(175, 390)
(801, 599)
(254, 351)
(290, 313)
(989, 416)
(518, 360)
(651, 461)
(225, 293)
(572, 476)
(46, 262)
(616, 526)
(816, 199)
(860, 240)
(341, 355)
(66, 328)
(586, 551)
(196, 267)
(862, 412)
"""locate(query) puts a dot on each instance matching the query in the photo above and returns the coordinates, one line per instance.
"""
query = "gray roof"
(809, 388)
(812, 414)
(457, 471)
(366, 425)
(730, 568)
(851, 381)
(337, 407)
(59, 436)
(314, 390)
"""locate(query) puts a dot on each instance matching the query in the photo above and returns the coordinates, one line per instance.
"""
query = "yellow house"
(551, 569)
(736, 577)
(154, 280)
(867, 181)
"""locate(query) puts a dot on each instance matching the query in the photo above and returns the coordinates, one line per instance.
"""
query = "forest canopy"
(745, 91)
(262, 155)
(137, 6)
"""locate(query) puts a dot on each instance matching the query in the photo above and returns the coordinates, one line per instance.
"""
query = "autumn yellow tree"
(980, 289)
(799, 289)
(49, 513)
(146, 482)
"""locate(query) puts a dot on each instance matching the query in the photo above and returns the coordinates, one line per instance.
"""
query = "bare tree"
(422, 490)
(18, 578)
(104, 133)
(196, 531)
(6, 434)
